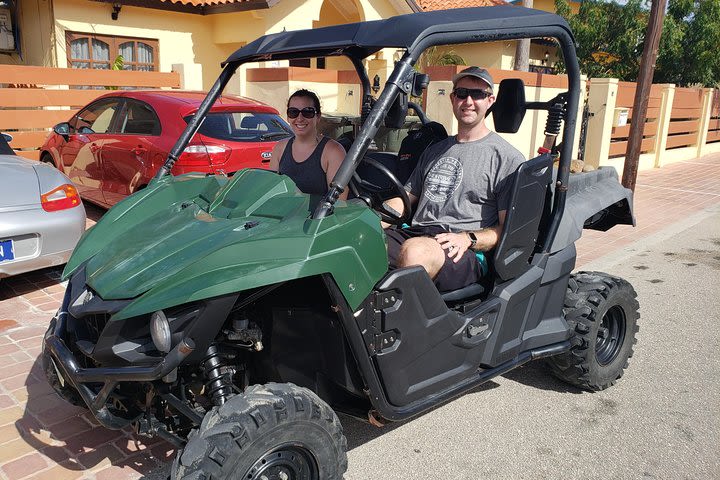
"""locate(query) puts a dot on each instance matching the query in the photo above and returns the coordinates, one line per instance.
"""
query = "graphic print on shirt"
(443, 179)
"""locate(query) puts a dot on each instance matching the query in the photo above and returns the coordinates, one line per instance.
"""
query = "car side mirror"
(7, 137)
(62, 129)
(395, 117)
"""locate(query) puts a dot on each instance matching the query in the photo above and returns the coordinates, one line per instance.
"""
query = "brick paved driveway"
(43, 437)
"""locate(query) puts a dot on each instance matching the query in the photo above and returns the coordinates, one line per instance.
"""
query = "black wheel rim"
(611, 335)
(286, 462)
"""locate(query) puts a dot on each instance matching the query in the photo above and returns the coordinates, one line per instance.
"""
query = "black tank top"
(309, 175)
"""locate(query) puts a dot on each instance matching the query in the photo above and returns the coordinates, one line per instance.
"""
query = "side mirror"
(509, 108)
(7, 137)
(62, 129)
(420, 83)
(395, 117)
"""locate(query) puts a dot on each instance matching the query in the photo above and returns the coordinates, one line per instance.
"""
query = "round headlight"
(160, 331)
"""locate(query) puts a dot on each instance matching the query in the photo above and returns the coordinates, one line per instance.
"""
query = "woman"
(309, 158)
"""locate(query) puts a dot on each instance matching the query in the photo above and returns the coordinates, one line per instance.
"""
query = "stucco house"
(197, 35)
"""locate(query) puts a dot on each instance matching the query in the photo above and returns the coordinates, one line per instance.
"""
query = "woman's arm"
(276, 155)
(332, 157)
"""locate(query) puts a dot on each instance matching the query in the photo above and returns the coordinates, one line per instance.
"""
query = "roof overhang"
(197, 7)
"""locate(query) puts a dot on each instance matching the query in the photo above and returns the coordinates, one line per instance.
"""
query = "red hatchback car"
(115, 145)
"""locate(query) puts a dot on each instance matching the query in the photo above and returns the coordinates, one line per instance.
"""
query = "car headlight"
(160, 331)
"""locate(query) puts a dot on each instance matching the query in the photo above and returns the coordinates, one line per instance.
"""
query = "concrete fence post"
(601, 106)
(663, 121)
(438, 106)
(704, 124)
(579, 117)
(190, 75)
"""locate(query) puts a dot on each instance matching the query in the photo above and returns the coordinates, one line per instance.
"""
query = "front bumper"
(42, 239)
(81, 378)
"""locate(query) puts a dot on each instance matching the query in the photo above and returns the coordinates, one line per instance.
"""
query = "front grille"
(95, 325)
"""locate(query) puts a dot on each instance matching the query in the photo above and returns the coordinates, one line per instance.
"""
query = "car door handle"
(139, 150)
(94, 148)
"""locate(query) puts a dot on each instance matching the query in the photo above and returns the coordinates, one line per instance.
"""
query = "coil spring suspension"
(556, 114)
(218, 385)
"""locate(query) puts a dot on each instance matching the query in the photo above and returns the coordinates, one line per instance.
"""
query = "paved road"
(661, 421)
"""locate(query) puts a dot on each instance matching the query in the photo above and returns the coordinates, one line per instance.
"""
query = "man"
(460, 192)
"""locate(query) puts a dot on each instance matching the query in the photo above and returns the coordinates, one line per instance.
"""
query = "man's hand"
(396, 204)
(455, 243)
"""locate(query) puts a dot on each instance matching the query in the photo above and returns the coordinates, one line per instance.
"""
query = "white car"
(41, 214)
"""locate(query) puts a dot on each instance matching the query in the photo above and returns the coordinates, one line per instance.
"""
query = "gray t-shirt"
(462, 186)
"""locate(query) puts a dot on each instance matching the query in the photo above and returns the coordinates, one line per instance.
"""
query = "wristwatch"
(473, 240)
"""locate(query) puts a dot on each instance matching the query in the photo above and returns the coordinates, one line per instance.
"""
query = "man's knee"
(423, 251)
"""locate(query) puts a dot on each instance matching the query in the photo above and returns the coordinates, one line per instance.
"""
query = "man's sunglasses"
(307, 112)
(474, 93)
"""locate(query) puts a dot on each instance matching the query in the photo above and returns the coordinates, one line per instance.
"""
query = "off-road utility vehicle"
(233, 316)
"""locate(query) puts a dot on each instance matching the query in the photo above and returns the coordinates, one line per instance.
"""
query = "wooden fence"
(714, 124)
(34, 99)
(685, 118)
(625, 99)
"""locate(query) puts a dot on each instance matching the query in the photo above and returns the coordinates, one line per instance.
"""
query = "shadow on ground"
(359, 432)
(537, 375)
(71, 437)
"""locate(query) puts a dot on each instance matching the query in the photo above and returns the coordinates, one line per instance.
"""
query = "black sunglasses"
(474, 93)
(307, 112)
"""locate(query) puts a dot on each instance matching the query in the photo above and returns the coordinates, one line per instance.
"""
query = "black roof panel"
(403, 31)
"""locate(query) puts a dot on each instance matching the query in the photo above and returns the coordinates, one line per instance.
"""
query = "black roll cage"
(508, 22)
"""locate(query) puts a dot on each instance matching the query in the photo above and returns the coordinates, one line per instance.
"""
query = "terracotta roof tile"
(430, 5)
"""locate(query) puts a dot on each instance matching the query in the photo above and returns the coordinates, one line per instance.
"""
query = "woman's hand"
(455, 243)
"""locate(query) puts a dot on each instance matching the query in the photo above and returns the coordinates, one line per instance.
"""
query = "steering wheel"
(372, 194)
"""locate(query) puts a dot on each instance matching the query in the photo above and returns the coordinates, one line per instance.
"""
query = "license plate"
(6, 250)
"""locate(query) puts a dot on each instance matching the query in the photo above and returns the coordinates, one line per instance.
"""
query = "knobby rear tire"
(602, 312)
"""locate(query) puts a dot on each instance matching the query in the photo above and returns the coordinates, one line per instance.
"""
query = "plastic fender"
(352, 250)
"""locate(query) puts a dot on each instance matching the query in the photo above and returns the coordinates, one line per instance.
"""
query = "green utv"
(233, 316)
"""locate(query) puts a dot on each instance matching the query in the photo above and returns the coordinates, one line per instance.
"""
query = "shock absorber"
(556, 114)
(218, 385)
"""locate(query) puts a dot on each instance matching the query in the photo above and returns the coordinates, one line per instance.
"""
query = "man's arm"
(457, 243)
(396, 204)
(488, 238)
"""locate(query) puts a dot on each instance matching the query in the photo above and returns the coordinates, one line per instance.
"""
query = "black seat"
(529, 202)
(470, 291)
(414, 144)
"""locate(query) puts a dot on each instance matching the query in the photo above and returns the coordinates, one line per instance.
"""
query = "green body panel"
(189, 238)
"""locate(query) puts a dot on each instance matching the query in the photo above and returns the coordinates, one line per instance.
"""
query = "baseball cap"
(475, 72)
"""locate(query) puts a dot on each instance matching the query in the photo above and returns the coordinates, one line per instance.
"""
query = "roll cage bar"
(414, 32)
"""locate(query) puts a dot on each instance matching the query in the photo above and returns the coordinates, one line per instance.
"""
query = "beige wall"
(186, 38)
(489, 55)
(549, 5)
(182, 38)
(334, 98)
(35, 22)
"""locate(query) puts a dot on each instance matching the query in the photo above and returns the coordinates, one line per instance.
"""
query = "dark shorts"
(452, 276)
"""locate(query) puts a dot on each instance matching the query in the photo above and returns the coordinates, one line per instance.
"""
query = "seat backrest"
(414, 144)
(250, 122)
(522, 221)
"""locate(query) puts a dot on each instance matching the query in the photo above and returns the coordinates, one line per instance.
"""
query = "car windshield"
(244, 126)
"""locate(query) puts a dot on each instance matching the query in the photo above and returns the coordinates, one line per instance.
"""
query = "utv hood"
(186, 239)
